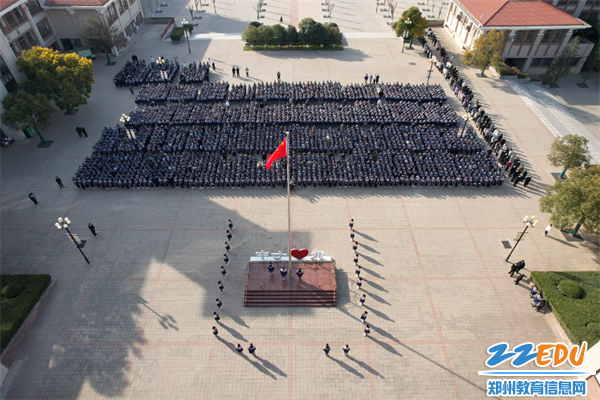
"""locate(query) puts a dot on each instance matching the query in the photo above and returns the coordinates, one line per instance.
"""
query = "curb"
(8, 355)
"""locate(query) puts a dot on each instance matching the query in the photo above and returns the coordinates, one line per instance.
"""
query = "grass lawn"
(575, 304)
(26, 289)
(302, 47)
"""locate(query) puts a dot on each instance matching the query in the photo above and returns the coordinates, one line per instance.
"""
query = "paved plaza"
(136, 322)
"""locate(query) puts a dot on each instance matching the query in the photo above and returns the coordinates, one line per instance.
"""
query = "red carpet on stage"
(316, 289)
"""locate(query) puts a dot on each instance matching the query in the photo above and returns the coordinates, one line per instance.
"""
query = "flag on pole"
(279, 153)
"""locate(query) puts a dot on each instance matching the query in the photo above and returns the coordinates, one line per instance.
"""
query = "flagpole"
(287, 152)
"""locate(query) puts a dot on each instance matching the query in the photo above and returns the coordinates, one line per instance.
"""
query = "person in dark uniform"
(216, 317)
(283, 272)
(59, 181)
(221, 287)
(346, 349)
(78, 129)
(362, 300)
(239, 348)
(230, 225)
(327, 349)
(363, 317)
(229, 235)
(521, 276)
(367, 330)
(251, 348)
(84, 131)
(271, 268)
(219, 304)
(215, 331)
(299, 273)
(226, 259)
(92, 229)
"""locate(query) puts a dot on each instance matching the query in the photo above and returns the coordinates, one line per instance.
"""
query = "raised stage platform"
(316, 289)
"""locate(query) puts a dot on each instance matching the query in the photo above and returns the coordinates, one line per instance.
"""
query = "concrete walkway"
(555, 116)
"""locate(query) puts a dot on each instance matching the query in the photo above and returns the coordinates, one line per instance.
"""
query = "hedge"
(14, 310)
(502, 69)
(578, 317)
(177, 34)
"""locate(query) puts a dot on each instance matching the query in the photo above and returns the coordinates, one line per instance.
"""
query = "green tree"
(278, 33)
(412, 21)
(592, 64)
(256, 24)
(291, 34)
(486, 50)
(333, 33)
(311, 32)
(575, 201)
(65, 79)
(265, 35)
(101, 37)
(561, 66)
(570, 151)
(250, 34)
(26, 111)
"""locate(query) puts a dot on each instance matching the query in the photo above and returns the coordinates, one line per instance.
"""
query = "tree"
(575, 201)
(311, 32)
(592, 64)
(65, 79)
(278, 34)
(487, 49)
(291, 34)
(101, 37)
(250, 34)
(26, 111)
(569, 152)
(265, 35)
(561, 66)
(412, 21)
(333, 33)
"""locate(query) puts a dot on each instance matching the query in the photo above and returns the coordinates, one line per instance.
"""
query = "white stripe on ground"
(557, 118)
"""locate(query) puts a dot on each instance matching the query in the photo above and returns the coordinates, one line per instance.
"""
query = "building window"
(71, 44)
(112, 14)
(562, 3)
(536, 62)
(519, 37)
(558, 37)
(530, 37)
(7, 78)
(33, 7)
(44, 28)
(131, 2)
(575, 61)
(572, 2)
(547, 36)
(22, 43)
(546, 61)
(12, 20)
(125, 6)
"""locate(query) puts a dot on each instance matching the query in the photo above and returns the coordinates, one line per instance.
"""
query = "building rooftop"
(5, 4)
(491, 13)
(75, 3)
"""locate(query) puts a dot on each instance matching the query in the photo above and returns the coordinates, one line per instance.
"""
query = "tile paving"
(135, 323)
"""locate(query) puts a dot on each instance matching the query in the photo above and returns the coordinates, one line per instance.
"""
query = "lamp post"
(528, 222)
(429, 72)
(467, 118)
(64, 223)
(408, 21)
(184, 23)
(130, 132)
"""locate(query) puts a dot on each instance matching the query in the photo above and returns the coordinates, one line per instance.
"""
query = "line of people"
(538, 302)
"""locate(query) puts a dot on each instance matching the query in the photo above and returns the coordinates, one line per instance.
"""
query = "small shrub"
(546, 78)
(594, 329)
(502, 69)
(523, 75)
(394, 25)
(255, 24)
(569, 288)
(514, 70)
(177, 34)
(12, 290)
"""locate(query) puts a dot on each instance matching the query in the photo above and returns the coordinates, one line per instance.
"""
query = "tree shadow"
(562, 241)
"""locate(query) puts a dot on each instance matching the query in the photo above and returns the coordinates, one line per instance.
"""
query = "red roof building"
(535, 31)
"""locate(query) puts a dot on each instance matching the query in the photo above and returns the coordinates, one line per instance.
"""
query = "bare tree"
(331, 6)
(258, 9)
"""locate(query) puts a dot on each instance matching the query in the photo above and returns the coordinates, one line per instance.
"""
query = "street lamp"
(408, 21)
(430, 69)
(467, 118)
(186, 33)
(130, 132)
(64, 223)
(528, 222)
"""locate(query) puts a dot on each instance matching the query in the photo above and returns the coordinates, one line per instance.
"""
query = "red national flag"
(279, 153)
